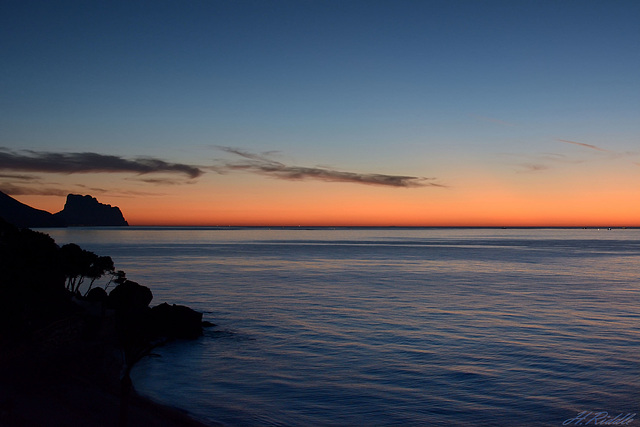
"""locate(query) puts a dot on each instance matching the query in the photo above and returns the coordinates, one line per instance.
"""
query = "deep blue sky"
(420, 88)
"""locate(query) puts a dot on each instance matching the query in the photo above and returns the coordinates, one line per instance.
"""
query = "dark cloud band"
(87, 162)
(68, 163)
(260, 164)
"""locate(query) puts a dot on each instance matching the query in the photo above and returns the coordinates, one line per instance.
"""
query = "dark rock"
(87, 211)
(130, 296)
(22, 215)
(130, 302)
(97, 295)
(175, 321)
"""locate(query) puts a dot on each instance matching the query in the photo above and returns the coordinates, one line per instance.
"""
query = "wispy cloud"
(93, 189)
(159, 181)
(115, 192)
(582, 144)
(29, 190)
(87, 162)
(537, 163)
(604, 152)
(263, 165)
(17, 177)
(532, 167)
(544, 161)
(41, 188)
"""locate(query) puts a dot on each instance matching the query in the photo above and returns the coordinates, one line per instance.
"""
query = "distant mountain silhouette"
(22, 215)
(87, 211)
(78, 211)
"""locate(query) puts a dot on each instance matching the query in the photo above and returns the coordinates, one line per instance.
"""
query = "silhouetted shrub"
(79, 264)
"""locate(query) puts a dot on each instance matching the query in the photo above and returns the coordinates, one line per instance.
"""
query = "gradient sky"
(325, 112)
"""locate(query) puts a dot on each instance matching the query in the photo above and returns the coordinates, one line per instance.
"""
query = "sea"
(391, 326)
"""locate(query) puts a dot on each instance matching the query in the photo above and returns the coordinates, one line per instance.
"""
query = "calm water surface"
(390, 326)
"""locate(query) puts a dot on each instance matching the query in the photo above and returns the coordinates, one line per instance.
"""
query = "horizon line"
(308, 226)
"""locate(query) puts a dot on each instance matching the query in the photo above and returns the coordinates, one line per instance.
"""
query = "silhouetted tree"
(100, 266)
(79, 264)
(72, 258)
(117, 277)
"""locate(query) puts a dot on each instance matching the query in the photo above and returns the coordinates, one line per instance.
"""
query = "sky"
(309, 112)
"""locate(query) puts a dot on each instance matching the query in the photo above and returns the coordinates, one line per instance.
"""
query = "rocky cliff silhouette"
(78, 211)
(87, 211)
(22, 215)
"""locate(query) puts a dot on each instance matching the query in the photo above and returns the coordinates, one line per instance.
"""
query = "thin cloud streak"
(537, 163)
(159, 181)
(87, 162)
(582, 144)
(611, 154)
(41, 189)
(262, 165)
(20, 190)
(532, 167)
(18, 177)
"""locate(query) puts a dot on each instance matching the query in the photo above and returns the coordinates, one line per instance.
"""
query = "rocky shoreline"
(65, 357)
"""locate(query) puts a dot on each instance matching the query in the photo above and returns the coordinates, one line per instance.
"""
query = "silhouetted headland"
(67, 346)
(87, 211)
(78, 211)
(23, 215)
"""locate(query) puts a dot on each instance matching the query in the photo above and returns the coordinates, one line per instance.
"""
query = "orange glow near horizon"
(292, 204)
(574, 196)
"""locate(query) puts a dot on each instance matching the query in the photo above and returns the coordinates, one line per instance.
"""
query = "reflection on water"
(391, 327)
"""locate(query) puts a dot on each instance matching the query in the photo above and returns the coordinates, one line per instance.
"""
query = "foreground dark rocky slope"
(65, 356)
